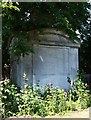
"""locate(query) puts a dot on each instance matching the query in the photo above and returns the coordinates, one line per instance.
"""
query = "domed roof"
(52, 37)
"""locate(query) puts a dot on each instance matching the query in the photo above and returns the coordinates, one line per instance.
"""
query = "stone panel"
(50, 64)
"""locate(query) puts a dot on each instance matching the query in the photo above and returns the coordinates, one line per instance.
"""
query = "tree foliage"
(85, 55)
(18, 18)
(67, 17)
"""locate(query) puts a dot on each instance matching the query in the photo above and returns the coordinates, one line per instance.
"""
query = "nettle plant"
(80, 94)
(8, 101)
(31, 101)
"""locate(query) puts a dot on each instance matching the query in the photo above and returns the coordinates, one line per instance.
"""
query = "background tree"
(85, 55)
(85, 49)
(67, 17)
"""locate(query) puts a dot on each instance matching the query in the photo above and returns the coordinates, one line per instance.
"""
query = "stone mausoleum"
(54, 60)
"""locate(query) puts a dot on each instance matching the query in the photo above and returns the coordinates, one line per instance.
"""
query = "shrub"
(55, 100)
(31, 101)
(8, 94)
(79, 93)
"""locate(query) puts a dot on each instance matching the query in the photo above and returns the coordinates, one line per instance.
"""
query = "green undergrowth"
(31, 101)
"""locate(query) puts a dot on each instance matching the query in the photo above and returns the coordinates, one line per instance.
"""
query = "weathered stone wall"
(54, 59)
